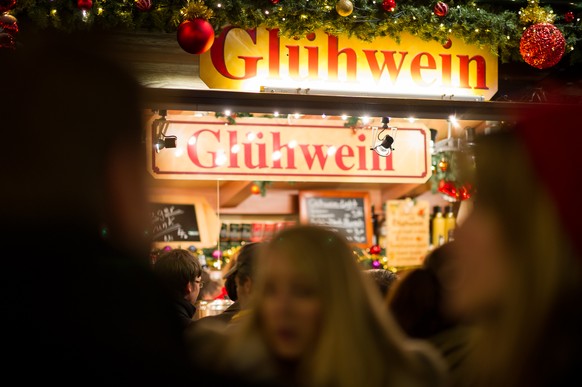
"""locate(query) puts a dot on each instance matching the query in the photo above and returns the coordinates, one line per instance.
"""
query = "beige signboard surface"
(407, 224)
(251, 59)
(288, 149)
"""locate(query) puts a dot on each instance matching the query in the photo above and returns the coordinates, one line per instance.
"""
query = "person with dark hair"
(239, 285)
(181, 274)
(417, 302)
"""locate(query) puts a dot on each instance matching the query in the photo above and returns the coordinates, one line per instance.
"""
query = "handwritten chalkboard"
(174, 222)
(344, 211)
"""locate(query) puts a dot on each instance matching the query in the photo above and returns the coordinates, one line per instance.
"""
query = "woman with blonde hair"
(519, 255)
(316, 320)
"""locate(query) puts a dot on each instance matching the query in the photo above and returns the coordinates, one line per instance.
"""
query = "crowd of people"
(500, 307)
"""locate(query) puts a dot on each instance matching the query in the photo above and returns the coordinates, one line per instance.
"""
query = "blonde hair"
(510, 348)
(359, 343)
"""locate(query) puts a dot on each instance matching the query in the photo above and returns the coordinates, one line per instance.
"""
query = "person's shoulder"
(430, 364)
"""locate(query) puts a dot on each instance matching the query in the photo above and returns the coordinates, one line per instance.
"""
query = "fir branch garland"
(477, 22)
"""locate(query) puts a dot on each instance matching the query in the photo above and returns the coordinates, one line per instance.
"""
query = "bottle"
(434, 211)
(438, 227)
(450, 224)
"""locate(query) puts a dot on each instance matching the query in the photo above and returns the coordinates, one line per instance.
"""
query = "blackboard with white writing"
(174, 222)
(345, 212)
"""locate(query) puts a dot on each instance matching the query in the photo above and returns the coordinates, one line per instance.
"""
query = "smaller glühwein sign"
(407, 232)
(286, 149)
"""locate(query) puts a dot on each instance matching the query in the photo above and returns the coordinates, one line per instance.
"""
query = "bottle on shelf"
(450, 224)
(438, 227)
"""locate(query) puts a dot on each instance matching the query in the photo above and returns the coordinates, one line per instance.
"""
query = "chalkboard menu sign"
(174, 222)
(344, 211)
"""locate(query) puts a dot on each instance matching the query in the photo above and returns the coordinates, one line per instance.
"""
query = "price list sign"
(346, 212)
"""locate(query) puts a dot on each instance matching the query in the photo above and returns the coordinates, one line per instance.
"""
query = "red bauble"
(375, 249)
(8, 24)
(542, 45)
(441, 9)
(195, 36)
(6, 5)
(84, 4)
(448, 188)
(389, 5)
(569, 17)
(274, 1)
(143, 5)
(7, 41)
(448, 44)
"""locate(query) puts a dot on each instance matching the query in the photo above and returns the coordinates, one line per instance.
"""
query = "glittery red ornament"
(448, 44)
(274, 1)
(8, 24)
(542, 45)
(255, 189)
(7, 5)
(84, 5)
(7, 41)
(441, 9)
(569, 17)
(195, 36)
(448, 188)
(389, 5)
(375, 249)
(143, 5)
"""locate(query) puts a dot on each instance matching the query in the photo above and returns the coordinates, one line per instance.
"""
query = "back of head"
(245, 260)
(416, 302)
(383, 278)
(176, 268)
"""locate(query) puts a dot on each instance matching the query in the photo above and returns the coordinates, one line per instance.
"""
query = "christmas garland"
(481, 23)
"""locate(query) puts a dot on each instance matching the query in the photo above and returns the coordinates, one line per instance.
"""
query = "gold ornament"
(344, 7)
(533, 14)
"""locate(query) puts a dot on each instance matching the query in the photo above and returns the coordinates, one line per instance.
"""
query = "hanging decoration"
(451, 174)
(195, 33)
(143, 5)
(344, 8)
(8, 24)
(260, 187)
(542, 44)
(389, 5)
(255, 189)
(487, 24)
(84, 5)
(7, 41)
(441, 9)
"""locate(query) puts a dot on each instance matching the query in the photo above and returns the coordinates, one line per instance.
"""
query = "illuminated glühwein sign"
(288, 149)
(250, 59)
